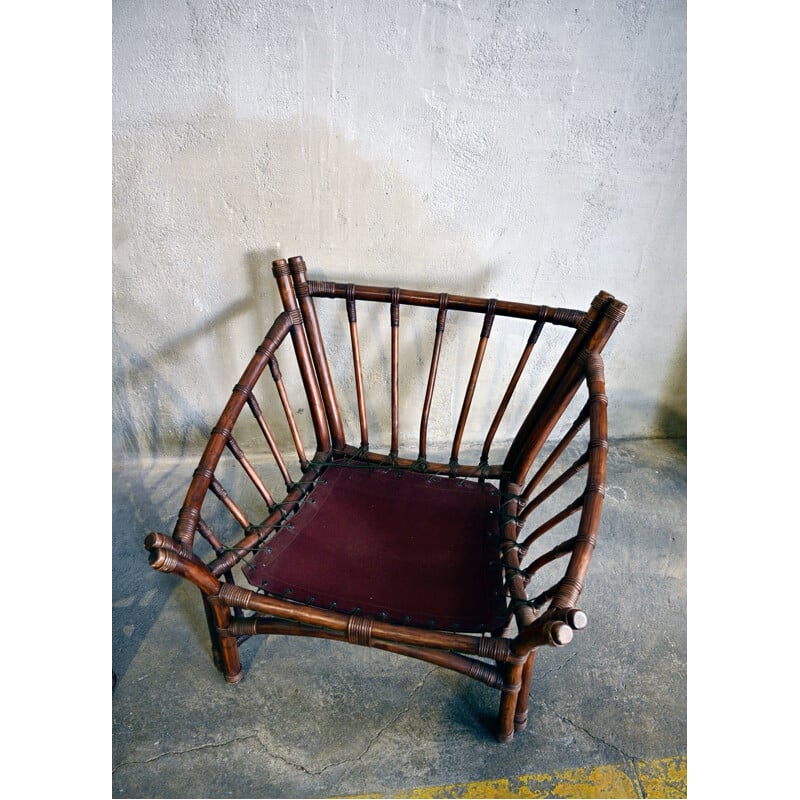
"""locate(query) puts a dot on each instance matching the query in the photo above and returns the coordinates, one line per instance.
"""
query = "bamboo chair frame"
(501, 658)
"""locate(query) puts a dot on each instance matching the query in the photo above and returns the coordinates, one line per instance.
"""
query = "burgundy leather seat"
(398, 545)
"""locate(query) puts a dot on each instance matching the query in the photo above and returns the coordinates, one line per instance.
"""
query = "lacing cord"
(264, 532)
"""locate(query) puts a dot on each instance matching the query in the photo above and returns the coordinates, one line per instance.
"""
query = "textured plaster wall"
(533, 150)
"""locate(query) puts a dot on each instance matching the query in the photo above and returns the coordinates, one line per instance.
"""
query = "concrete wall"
(534, 150)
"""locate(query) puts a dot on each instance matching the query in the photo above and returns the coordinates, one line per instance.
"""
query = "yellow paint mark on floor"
(660, 778)
(663, 778)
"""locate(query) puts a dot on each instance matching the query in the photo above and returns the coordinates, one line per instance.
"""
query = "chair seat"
(401, 546)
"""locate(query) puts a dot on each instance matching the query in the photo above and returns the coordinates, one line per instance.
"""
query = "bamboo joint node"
(485, 674)
(322, 288)
(280, 268)
(359, 630)
(297, 265)
(350, 294)
(488, 319)
(599, 488)
(233, 445)
(585, 538)
(244, 627)
(444, 299)
(164, 560)
(496, 649)
(233, 595)
(566, 316)
(267, 347)
(615, 312)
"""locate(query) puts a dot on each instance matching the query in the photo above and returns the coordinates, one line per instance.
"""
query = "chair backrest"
(592, 330)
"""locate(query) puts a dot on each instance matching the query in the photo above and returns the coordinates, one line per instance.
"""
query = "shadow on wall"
(192, 205)
(192, 201)
(148, 492)
(142, 382)
(671, 416)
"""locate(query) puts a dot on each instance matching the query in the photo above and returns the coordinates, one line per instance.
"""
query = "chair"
(441, 560)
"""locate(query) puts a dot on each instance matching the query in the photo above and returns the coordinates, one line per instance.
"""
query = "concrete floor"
(314, 718)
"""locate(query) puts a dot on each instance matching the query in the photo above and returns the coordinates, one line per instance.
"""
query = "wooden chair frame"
(502, 658)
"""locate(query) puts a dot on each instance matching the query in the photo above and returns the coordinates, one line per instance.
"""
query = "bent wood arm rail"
(499, 648)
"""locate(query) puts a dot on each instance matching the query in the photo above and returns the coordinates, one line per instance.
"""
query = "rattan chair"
(469, 566)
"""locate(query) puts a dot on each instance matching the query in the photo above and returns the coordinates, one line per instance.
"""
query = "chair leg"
(508, 701)
(224, 647)
(212, 632)
(521, 714)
